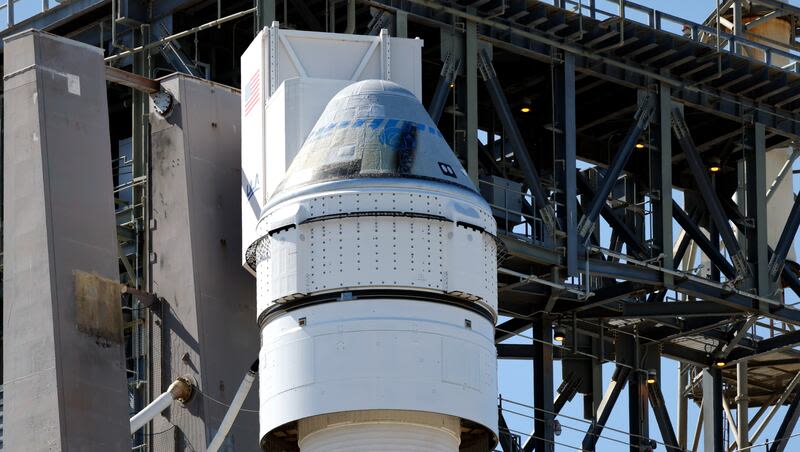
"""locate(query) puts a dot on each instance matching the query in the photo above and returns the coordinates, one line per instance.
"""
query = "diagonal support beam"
(775, 408)
(450, 68)
(788, 278)
(564, 147)
(785, 241)
(624, 231)
(613, 391)
(662, 417)
(693, 230)
(641, 118)
(566, 392)
(510, 328)
(731, 344)
(706, 190)
(787, 426)
(515, 137)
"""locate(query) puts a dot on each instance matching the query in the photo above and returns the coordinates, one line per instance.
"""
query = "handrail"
(697, 32)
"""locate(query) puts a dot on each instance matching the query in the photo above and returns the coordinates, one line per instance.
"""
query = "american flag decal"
(252, 93)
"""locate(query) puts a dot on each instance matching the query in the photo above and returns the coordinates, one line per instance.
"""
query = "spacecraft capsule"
(377, 291)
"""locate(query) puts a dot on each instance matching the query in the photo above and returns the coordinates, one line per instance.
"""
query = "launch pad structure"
(638, 166)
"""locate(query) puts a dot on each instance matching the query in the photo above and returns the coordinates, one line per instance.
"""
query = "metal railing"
(523, 224)
(13, 12)
(711, 36)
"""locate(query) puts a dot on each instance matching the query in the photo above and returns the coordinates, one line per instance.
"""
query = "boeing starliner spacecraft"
(377, 291)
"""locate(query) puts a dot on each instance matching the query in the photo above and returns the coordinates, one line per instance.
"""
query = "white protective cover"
(378, 354)
(276, 56)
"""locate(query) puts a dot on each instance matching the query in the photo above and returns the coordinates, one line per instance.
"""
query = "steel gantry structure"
(595, 129)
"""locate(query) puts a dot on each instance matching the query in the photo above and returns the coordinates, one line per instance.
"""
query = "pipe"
(233, 410)
(180, 390)
(683, 405)
(182, 34)
(113, 24)
(742, 405)
(351, 17)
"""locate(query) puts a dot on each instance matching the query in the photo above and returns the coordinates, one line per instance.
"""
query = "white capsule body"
(377, 303)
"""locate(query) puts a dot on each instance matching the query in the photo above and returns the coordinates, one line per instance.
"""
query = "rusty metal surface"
(97, 307)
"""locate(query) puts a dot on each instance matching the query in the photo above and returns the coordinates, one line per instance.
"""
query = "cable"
(223, 403)
(162, 431)
(606, 426)
(567, 426)
(767, 442)
(543, 439)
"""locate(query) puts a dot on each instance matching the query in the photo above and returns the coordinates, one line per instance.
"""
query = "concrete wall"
(209, 324)
(63, 365)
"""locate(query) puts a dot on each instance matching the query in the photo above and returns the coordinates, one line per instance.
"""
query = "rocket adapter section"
(377, 292)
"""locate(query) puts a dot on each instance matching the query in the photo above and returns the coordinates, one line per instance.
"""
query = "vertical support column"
(737, 22)
(140, 140)
(63, 359)
(661, 182)
(713, 236)
(683, 406)
(638, 416)
(755, 166)
(567, 206)
(544, 435)
(401, 23)
(10, 12)
(742, 404)
(712, 410)
(265, 13)
(637, 411)
(592, 401)
(471, 57)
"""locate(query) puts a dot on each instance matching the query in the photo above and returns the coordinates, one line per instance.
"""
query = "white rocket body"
(377, 291)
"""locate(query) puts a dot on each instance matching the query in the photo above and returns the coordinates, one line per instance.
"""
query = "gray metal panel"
(64, 371)
(196, 206)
